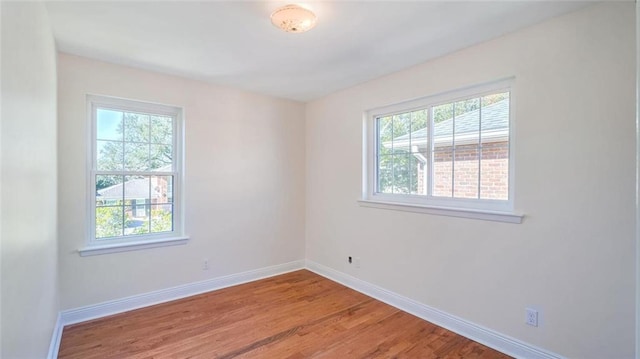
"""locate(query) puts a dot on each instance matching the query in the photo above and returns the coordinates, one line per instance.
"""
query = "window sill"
(445, 211)
(131, 246)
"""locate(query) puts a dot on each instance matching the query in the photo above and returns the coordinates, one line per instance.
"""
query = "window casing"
(135, 172)
(450, 151)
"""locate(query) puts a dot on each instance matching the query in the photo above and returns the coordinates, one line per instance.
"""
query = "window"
(135, 172)
(451, 151)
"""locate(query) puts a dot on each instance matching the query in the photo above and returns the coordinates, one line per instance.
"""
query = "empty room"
(323, 179)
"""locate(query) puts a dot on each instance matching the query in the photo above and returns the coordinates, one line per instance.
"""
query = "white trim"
(513, 104)
(451, 95)
(119, 104)
(369, 165)
(94, 249)
(472, 204)
(56, 336)
(445, 211)
(104, 309)
(480, 334)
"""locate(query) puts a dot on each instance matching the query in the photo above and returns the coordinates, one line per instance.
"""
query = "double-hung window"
(450, 152)
(135, 173)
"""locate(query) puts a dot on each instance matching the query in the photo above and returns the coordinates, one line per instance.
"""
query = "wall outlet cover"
(531, 317)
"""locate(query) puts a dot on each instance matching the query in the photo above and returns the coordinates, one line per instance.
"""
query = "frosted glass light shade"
(293, 18)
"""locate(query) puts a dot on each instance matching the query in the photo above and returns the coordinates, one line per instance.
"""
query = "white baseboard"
(460, 326)
(55, 338)
(104, 309)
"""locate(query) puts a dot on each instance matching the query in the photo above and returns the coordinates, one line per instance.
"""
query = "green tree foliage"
(106, 181)
(161, 221)
(108, 222)
(146, 146)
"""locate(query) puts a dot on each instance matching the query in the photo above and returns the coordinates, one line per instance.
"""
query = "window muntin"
(441, 152)
(134, 171)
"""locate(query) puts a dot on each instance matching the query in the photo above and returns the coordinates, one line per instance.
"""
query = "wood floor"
(295, 315)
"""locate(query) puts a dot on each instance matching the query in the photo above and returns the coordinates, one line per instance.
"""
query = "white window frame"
(485, 209)
(134, 242)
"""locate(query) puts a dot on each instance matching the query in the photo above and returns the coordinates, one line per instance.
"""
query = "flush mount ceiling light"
(293, 18)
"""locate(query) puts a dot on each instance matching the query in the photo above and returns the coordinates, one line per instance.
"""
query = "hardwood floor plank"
(323, 333)
(295, 315)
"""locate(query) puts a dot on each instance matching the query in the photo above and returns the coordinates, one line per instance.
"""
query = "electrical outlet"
(350, 260)
(357, 262)
(532, 317)
(205, 264)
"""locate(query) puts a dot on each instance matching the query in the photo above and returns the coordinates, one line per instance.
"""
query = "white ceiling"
(233, 42)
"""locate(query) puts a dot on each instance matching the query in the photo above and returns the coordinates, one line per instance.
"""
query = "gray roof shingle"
(494, 117)
(136, 188)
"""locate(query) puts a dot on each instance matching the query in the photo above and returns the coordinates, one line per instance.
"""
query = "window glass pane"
(136, 127)
(467, 121)
(443, 125)
(467, 106)
(442, 150)
(109, 221)
(109, 156)
(137, 218)
(494, 166)
(161, 218)
(385, 174)
(416, 179)
(494, 171)
(419, 149)
(501, 105)
(136, 188)
(136, 156)
(161, 130)
(442, 172)
(402, 173)
(161, 189)
(161, 158)
(109, 190)
(109, 125)
(385, 135)
(495, 118)
(419, 131)
(466, 171)
(466, 142)
(401, 133)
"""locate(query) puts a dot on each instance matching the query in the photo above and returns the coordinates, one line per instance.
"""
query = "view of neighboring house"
(141, 195)
(480, 141)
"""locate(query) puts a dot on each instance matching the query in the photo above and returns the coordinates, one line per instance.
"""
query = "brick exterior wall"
(494, 171)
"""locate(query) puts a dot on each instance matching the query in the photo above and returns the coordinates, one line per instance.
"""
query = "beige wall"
(573, 257)
(28, 163)
(244, 183)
